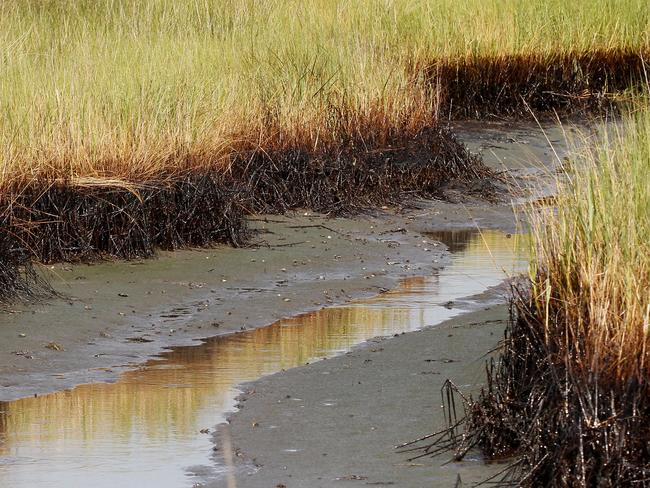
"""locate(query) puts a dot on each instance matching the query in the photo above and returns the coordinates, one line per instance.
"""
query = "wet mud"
(111, 318)
(155, 415)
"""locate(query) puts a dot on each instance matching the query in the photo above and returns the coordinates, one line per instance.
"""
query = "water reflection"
(143, 430)
(457, 240)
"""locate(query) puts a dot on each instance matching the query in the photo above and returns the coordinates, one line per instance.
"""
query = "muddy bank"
(159, 415)
(115, 315)
(335, 422)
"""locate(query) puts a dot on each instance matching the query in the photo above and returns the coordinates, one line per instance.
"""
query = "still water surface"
(144, 429)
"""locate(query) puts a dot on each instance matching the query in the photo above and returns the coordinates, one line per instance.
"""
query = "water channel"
(146, 429)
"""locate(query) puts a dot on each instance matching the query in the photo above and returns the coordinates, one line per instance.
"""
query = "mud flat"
(335, 422)
(112, 317)
(116, 315)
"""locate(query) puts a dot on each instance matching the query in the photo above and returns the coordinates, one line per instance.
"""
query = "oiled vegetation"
(128, 125)
(568, 397)
(571, 394)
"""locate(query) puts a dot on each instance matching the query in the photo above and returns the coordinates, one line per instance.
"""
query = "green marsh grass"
(592, 260)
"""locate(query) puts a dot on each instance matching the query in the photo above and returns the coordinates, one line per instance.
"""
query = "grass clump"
(569, 395)
(572, 390)
(593, 258)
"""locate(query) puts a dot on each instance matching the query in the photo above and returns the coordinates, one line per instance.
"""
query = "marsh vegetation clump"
(18, 278)
(568, 398)
(360, 173)
(594, 81)
(61, 222)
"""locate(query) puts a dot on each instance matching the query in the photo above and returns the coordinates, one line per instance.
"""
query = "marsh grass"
(568, 396)
(593, 256)
(127, 126)
(126, 92)
(571, 391)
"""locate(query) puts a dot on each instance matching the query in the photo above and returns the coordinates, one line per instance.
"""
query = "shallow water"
(144, 430)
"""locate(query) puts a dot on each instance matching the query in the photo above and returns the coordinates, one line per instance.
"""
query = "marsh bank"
(302, 262)
(115, 315)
